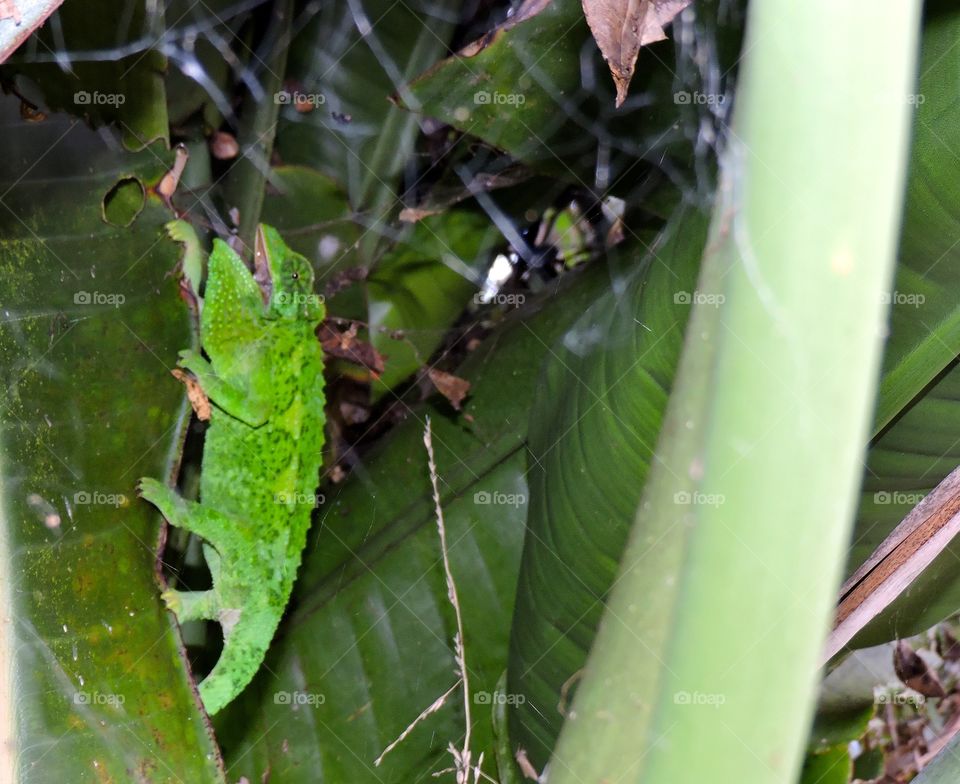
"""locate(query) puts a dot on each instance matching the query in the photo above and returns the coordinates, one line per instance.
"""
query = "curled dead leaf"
(911, 547)
(168, 184)
(915, 672)
(30, 113)
(197, 397)
(344, 344)
(947, 645)
(526, 767)
(452, 387)
(621, 27)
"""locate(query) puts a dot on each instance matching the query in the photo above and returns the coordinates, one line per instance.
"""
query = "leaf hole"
(123, 202)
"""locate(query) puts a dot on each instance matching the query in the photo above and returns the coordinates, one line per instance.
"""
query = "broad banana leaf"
(93, 684)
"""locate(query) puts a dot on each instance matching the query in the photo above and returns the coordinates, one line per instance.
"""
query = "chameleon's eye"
(296, 276)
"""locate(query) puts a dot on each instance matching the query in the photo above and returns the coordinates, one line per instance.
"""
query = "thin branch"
(451, 592)
(436, 705)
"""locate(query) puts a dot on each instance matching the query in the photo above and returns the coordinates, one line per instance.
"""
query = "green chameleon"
(261, 455)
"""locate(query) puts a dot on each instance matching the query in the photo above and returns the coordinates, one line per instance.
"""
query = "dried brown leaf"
(909, 549)
(345, 345)
(196, 396)
(915, 672)
(947, 645)
(526, 767)
(168, 184)
(452, 387)
(621, 27)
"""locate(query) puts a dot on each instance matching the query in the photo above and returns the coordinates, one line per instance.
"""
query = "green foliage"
(91, 324)
(593, 429)
(476, 124)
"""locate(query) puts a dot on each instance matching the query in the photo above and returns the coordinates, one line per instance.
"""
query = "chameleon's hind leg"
(192, 605)
(218, 529)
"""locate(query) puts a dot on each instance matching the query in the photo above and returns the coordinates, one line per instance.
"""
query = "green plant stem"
(705, 664)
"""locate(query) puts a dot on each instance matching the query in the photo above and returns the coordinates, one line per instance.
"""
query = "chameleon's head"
(285, 278)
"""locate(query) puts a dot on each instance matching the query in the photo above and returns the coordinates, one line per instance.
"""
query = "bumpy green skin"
(262, 451)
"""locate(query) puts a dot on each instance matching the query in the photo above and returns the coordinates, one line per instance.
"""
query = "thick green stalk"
(705, 665)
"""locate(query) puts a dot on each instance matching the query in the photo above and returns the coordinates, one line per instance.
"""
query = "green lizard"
(262, 451)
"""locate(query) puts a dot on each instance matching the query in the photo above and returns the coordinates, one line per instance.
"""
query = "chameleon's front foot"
(191, 605)
(238, 398)
(219, 530)
(192, 360)
(153, 491)
(171, 505)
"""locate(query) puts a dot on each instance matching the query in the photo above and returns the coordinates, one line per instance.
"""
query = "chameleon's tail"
(244, 646)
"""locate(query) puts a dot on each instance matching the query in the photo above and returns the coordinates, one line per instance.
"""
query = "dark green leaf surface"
(593, 429)
(925, 321)
(310, 211)
(904, 464)
(945, 767)
(422, 285)
(703, 665)
(519, 90)
(127, 90)
(91, 322)
(355, 135)
(830, 767)
(538, 88)
(918, 419)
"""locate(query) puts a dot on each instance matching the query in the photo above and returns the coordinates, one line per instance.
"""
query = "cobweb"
(187, 33)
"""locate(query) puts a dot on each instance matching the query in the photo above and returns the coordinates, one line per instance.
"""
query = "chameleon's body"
(262, 451)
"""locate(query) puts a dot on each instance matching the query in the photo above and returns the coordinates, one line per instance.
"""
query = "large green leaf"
(945, 767)
(593, 429)
(538, 88)
(906, 461)
(372, 628)
(348, 61)
(91, 322)
(518, 87)
(126, 87)
(918, 420)
(925, 322)
(421, 286)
